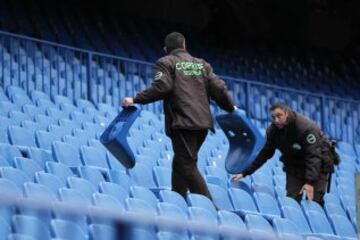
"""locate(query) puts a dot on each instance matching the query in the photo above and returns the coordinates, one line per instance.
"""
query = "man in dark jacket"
(186, 84)
(305, 153)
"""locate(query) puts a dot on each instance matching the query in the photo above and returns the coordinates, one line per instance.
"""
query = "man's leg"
(293, 186)
(320, 188)
(185, 171)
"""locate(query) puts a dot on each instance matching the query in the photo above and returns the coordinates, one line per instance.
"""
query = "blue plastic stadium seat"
(114, 190)
(9, 152)
(55, 113)
(286, 229)
(45, 120)
(22, 136)
(69, 124)
(342, 226)
(174, 198)
(45, 139)
(320, 224)
(242, 201)
(59, 99)
(216, 181)
(59, 131)
(62, 171)
(32, 110)
(93, 175)
(30, 226)
(35, 94)
(233, 221)
(66, 154)
(258, 227)
(83, 186)
(11, 90)
(121, 178)
(139, 206)
(144, 194)
(67, 230)
(197, 200)
(244, 148)
(91, 156)
(168, 210)
(162, 177)
(15, 175)
(52, 182)
(142, 176)
(75, 142)
(29, 166)
(45, 103)
(80, 117)
(220, 197)
(6, 107)
(297, 216)
(267, 205)
(102, 232)
(202, 215)
(20, 99)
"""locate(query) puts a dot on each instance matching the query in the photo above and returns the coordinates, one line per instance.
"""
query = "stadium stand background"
(65, 68)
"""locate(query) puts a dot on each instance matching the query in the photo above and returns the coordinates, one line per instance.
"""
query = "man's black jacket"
(186, 84)
(305, 150)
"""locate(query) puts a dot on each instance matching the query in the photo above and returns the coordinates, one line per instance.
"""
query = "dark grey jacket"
(186, 84)
(304, 148)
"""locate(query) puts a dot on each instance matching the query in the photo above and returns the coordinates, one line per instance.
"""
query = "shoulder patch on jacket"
(310, 138)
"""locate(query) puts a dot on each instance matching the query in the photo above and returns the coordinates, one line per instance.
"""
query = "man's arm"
(160, 87)
(217, 90)
(266, 153)
(312, 148)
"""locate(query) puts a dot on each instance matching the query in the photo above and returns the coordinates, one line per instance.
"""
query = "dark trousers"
(185, 174)
(295, 183)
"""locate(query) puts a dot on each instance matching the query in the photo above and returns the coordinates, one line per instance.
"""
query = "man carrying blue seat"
(186, 84)
(308, 156)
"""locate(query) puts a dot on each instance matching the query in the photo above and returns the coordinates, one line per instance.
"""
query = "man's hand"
(309, 189)
(128, 101)
(237, 177)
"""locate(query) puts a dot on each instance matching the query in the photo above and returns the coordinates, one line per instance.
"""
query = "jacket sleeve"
(160, 87)
(217, 90)
(266, 153)
(312, 148)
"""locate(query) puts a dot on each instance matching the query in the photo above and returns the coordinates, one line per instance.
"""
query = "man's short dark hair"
(174, 40)
(281, 106)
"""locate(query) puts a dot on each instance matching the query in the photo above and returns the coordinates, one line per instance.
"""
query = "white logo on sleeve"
(158, 75)
(311, 139)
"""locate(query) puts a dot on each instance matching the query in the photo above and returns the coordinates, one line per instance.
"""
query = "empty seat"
(52, 182)
(243, 202)
(267, 205)
(197, 200)
(83, 186)
(297, 216)
(59, 131)
(67, 230)
(162, 177)
(174, 198)
(93, 175)
(27, 165)
(41, 156)
(202, 215)
(59, 99)
(220, 197)
(139, 206)
(55, 113)
(35, 95)
(102, 200)
(80, 117)
(30, 226)
(45, 121)
(114, 190)
(168, 210)
(62, 171)
(45, 139)
(20, 100)
(142, 176)
(144, 194)
(231, 220)
(82, 103)
(94, 157)
(15, 175)
(259, 227)
(22, 136)
(45, 103)
(121, 178)
(32, 110)
(286, 229)
(66, 154)
(102, 232)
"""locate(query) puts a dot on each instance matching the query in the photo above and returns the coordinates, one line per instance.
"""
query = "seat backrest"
(267, 204)
(29, 166)
(41, 156)
(66, 154)
(242, 200)
(342, 226)
(67, 230)
(51, 181)
(9, 152)
(139, 206)
(83, 186)
(106, 201)
(73, 196)
(227, 218)
(198, 200)
(10, 188)
(297, 216)
(202, 215)
(102, 232)
(92, 174)
(22, 136)
(30, 226)
(162, 177)
(318, 222)
(220, 197)
(62, 171)
(38, 190)
(114, 190)
(91, 156)
(174, 198)
(15, 175)
(144, 194)
(142, 176)
(259, 224)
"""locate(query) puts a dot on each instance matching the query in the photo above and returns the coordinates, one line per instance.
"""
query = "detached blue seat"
(244, 138)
